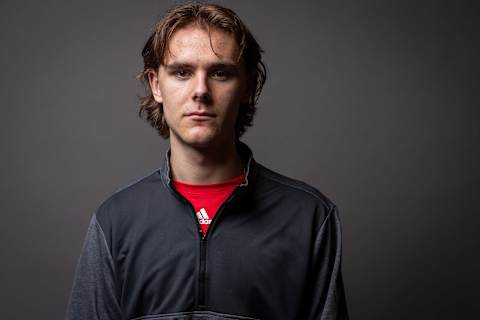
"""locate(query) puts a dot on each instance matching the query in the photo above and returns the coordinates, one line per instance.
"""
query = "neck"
(204, 165)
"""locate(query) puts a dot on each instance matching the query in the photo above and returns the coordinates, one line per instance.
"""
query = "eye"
(181, 74)
(220, 75)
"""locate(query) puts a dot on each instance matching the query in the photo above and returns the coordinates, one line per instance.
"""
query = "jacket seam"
(110, 258)
(189, 313)
(325, 221)
(267, 176)
(135, 181)
(338, 252)
(103, 238)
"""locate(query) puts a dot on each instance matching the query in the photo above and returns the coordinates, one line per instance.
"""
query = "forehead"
(196, 43)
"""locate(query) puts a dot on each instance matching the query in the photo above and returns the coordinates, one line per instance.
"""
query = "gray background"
(373, 102)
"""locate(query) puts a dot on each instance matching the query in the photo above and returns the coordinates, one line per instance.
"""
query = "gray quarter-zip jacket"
(272, 252)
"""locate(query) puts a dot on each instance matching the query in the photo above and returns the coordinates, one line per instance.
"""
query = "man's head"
(179, 29)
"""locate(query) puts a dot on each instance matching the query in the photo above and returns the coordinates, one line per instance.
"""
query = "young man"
(212, 234)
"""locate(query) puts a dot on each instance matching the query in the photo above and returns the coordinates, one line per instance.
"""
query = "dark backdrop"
(373, 102)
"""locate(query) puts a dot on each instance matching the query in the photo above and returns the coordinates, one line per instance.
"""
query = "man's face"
(200, 88)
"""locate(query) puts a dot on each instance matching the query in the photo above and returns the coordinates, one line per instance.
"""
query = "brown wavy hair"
(205, 15)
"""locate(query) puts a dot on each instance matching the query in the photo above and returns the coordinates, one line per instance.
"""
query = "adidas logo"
(203, 217)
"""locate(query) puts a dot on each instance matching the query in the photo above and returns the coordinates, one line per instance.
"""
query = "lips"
(200, 115)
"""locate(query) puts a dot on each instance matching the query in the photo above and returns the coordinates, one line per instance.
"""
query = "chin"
(201, 138)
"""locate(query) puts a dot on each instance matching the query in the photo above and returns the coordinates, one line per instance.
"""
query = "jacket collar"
(244, 151)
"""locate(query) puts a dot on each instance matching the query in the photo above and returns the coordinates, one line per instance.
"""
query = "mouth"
(200, 116)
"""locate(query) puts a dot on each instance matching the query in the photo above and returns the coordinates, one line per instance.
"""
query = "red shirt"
(207, 198)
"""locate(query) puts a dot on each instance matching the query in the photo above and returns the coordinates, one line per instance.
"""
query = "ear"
(154, 86)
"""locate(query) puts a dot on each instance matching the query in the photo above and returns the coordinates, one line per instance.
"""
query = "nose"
(201, 92)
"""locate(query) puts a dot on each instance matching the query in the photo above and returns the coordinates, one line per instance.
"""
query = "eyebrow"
(216, 65)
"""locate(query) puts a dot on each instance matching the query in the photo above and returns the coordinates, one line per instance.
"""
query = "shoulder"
(130, 197)
(295, 189)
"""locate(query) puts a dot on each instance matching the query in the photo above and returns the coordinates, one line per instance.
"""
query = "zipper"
(200, 234)
(203, 252)
(220, 210)
(202, 274)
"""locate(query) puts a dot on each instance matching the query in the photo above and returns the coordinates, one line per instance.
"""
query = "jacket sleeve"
(94, 294)
(326, 295)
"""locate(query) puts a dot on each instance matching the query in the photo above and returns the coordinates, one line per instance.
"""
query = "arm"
(326, 296)
(94, 292)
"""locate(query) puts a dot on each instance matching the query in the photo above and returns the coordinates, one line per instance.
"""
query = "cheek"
(231, 107)
(174, 99)
(173, 94)
(229, 96)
